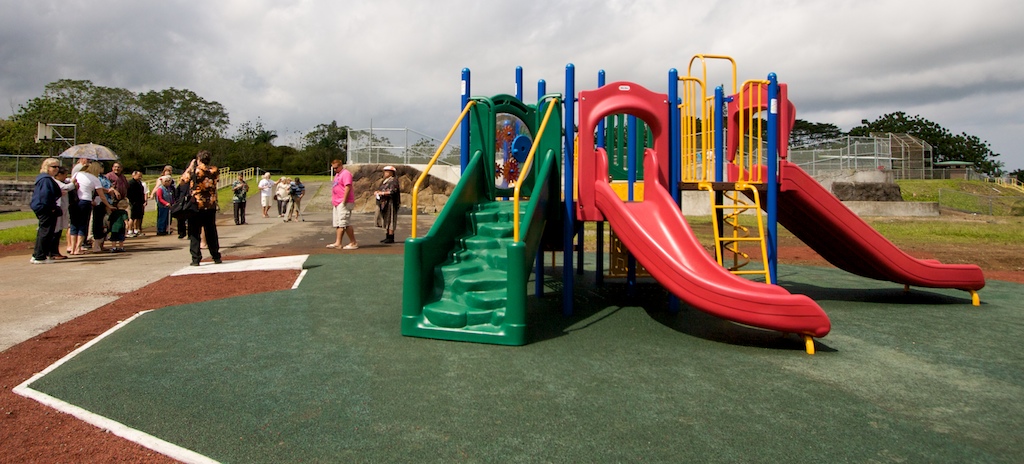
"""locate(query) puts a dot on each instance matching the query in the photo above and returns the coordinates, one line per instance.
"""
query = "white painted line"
(160, 446)
(280, 263)
(117, 428)
(80, 349)
(299, 279)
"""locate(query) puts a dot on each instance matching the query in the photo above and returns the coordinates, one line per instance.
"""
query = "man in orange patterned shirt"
(202, 177)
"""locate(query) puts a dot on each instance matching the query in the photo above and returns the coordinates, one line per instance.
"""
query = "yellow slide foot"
(975, 298)
(809, 344)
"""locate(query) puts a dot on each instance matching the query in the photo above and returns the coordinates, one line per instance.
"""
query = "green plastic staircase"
(471, 288)
(466, 279)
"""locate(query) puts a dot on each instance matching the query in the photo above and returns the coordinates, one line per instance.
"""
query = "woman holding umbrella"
(88, 186)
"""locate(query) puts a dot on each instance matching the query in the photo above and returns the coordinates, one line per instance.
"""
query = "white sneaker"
(40, 261)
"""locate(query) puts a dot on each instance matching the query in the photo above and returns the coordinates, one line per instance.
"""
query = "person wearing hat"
(389, 198)
(296, 190)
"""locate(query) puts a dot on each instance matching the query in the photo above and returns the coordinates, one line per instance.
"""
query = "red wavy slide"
(825, 224)
(656, 233)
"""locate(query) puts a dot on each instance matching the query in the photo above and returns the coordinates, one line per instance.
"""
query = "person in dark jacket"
(44, 204)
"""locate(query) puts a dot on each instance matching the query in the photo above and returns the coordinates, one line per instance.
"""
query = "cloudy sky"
(295, 64)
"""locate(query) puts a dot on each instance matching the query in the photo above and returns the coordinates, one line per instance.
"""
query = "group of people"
(388, 197)
(115, 206)
(72, 200)
(287, 192)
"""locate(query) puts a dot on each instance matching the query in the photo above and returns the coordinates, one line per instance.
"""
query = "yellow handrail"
(704, 65)
(525, 170)
(423, 175)
(693, 90)
(748, 162)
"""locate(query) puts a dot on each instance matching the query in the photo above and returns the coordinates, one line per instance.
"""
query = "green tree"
(326, 142)
(254, 146)
(183, 116)
(946, 146)
(808, 133)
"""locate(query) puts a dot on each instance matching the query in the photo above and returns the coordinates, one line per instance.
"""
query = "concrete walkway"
(36, 297)
(18, 223)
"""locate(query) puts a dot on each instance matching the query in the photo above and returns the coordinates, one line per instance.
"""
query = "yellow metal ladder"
(740, 234)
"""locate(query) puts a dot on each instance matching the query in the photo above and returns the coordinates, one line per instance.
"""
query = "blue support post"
(676, 155)
(519, 83)
(719, 133)
(538, 272)
(719, 115)
(569, 226)
(464, 154)
(772, 240)
(675, 135)
(600, 225)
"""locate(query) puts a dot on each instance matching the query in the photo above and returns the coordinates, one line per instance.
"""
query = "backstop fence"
(377, 145)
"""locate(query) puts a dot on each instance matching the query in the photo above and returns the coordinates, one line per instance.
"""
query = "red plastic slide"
(656, 233)
(825, 224)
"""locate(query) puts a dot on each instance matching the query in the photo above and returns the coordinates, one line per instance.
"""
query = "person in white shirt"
(88, 186)
(266, 187)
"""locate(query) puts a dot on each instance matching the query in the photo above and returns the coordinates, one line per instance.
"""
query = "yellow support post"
(525, 170)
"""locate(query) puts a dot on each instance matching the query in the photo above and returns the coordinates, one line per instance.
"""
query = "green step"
(495, 229)
(453, 315)
(480, 281)
(447, 273)
(486, 299)
(446, 313)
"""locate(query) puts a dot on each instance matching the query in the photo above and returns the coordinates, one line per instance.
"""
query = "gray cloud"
(295, 64)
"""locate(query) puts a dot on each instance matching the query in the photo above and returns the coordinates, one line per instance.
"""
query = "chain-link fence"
(982, 204)
(905, 156)
(397, 146)
(21, 167)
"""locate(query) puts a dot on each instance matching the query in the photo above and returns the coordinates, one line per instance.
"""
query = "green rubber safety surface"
(321, 374)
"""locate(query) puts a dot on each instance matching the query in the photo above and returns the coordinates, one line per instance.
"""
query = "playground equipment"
(466, 279)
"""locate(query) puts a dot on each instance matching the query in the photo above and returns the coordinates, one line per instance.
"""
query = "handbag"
(184, 206)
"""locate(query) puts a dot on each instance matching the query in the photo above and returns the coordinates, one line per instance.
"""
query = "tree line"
(169, 126)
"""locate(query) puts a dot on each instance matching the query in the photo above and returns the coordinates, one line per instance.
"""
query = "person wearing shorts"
(137, 199)
(344, 201)
(266, 187)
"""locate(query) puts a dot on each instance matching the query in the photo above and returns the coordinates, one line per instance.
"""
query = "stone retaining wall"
(15, 195)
